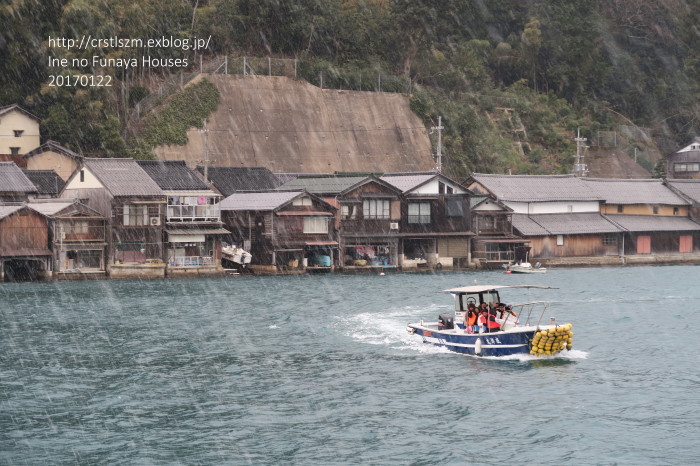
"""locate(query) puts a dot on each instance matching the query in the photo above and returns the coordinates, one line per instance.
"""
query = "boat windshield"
(491, 297)
(463, 300)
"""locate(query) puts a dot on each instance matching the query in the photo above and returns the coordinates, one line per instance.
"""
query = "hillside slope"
(290, 125)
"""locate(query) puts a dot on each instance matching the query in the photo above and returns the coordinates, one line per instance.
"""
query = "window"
(454, 207)
(441, 187)
(675, 211)
(375, 208)
(609, 240)
(82, 176)
(304, 200)
(75, 228)
(560, 240)
(620, 209)
(18, 133)
(14, 150)
(315, 224)
(655, 209)
(135, 215)
(419, 212)
(348, 212)
(687, 167)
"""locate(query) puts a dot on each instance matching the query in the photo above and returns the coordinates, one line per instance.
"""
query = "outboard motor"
(446, 322)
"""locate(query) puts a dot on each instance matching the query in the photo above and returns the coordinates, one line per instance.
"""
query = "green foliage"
(138, 93)
(168, 125)
(660, 170)
(559, 65)
(79, 119)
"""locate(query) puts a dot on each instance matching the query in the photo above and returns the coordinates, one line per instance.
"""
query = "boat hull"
(527, 270)
(480, 344)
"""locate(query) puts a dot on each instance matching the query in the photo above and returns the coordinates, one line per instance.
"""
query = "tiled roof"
(123, 177)
(642, 223)
(563, 224)
(54, 147)
(408, 182)
(536, 188)
(13, 179)
(9, 108)
(172, 175)
(258, 201)
(229, 180)
(329, 184)
(689, 188)
(46, 181)
(528, 227)
(6, 210)
(50, 208)
(633, 191)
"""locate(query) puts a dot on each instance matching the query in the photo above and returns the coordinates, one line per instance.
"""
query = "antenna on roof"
(580, 168)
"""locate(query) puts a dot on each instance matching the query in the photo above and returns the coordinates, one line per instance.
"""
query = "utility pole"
(580, 168)
(206, 152)
(438, 160)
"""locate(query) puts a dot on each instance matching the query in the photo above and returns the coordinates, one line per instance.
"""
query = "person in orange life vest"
(470, 318)
(492, 325)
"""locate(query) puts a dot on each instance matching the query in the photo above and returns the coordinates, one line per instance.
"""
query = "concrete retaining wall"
(289, 125)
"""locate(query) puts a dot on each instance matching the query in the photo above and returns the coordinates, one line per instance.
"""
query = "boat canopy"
(485, 288)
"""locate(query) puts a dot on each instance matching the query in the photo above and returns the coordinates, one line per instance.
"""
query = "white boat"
(518, 332)
(525, 267)
(522, 264)
(238, 256)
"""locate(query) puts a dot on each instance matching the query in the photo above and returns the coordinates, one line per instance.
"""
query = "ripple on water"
(321, 370)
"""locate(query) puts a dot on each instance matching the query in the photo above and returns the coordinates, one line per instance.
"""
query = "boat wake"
(389, 329)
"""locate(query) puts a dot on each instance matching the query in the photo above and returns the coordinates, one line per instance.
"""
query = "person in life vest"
(492, 325)
(470, 318)
(506, 312)
(483, 317)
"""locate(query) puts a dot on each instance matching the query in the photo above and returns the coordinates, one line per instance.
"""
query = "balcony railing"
(191, 213)
(495, 256)
(190, 261)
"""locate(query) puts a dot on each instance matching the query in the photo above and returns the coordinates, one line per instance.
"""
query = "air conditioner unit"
(394, 225)
(155, 221)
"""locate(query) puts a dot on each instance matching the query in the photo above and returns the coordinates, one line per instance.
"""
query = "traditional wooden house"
(435, 220)
(193, 219)
(19, 130)
(690, 191)
(47, 182)
(15, 187)
(655, 219)
(282, 229)
(576, 234)
(228, 180)
(123, 192)
(52, 156)
(558, 214)
(368, 216)
(495, 242)
(78, 238)
(24, 244)
(685, 163)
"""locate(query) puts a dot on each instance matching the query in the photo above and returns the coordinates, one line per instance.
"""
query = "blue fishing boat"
(499, 329)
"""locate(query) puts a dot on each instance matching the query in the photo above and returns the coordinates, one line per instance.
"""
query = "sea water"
(320, 370)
